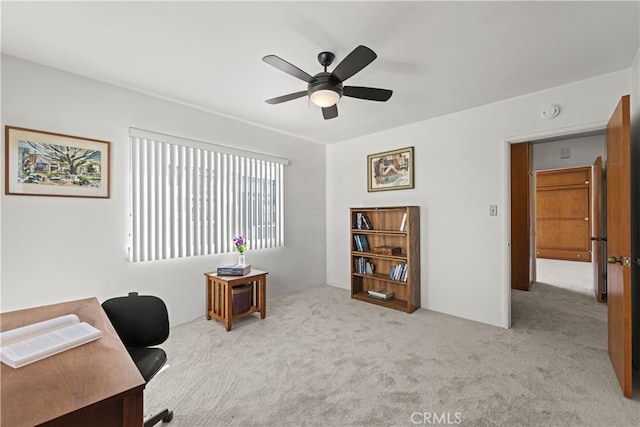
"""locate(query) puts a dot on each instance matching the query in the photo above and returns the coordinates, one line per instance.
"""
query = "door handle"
(626, 261)
(599, 239)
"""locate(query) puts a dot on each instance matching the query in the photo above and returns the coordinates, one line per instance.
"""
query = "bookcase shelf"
(398, 258)
(391, 232)
(387, 238)
(381, 277)
(395, 303)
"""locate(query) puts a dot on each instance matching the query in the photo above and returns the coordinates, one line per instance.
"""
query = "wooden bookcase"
(385, 224)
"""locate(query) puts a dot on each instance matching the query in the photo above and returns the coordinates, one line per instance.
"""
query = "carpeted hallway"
(572, 275)
(322, 359)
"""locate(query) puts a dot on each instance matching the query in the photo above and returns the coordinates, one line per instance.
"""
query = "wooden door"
(522, 232)
(619, 244)
(563, 218)
(596, 228)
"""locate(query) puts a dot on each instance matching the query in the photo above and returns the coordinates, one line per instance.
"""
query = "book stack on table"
(234, 270)
(381, 294)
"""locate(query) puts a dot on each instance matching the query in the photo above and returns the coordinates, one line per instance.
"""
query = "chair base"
(165, 416)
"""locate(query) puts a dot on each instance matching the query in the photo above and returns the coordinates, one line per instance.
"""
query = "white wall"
(461, 167)
(583, 152)
(56, 249)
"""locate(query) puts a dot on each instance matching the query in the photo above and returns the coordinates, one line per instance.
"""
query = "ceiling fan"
(325, 89)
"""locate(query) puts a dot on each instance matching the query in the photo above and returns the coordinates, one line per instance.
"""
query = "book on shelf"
(369, 268)
(403, 224)
(382, 294)
(234, 270)
(366, 222)
(398, 272)
(359, 221)
(363, 266)
(362, 244)
(30, 343)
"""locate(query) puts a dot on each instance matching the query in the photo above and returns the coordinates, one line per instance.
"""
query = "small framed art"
(41, 163)
(391, 170)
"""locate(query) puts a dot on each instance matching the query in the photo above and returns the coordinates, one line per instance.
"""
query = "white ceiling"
(437, 57)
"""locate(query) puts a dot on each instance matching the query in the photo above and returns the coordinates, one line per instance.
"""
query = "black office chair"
(142, 321)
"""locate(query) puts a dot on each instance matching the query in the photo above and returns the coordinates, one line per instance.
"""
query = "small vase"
(241, 259)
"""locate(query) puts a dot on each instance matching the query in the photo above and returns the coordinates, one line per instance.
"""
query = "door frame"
(566, 132)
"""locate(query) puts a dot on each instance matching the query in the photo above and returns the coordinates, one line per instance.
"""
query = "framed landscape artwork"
(41, 163)
(391, 170)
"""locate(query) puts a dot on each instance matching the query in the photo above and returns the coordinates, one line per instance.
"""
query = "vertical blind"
(190, 198)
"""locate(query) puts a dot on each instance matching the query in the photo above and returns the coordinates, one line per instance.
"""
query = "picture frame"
(39, 163)
(390, 170)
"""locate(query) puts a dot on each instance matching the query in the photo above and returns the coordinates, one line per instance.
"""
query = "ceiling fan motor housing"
(323, 81)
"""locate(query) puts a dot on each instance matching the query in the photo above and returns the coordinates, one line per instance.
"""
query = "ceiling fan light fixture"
(325, 89)
(325, 98)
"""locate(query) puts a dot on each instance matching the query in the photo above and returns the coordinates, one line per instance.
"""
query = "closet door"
(563, 218)
(522, 224)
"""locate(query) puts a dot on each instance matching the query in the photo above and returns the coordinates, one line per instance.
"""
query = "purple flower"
(240, 244)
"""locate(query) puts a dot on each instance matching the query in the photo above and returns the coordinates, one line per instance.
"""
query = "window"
(191, 198)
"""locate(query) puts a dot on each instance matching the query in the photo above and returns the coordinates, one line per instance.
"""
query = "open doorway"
(618, 219)
(564, 255)
(553, 157)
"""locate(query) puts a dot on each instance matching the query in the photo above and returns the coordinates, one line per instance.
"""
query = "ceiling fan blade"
(285, 98)
(288, 68)
(330, 112)
(359, 58)
(368, 93)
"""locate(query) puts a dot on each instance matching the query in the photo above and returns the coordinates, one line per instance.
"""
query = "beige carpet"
(322, 359)
(572, 275)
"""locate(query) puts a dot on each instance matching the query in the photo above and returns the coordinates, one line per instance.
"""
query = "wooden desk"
(219, 296)
(95, 384)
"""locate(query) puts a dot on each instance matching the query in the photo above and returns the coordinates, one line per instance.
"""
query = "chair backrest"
(139, 320)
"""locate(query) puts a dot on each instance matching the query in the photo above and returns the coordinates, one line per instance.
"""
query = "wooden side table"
(219, 295)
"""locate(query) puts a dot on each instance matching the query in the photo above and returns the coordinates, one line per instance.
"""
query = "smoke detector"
(551, 111)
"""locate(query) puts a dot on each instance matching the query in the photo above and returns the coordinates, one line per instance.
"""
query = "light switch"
(493, 210)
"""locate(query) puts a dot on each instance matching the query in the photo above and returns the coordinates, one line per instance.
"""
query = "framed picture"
(391, 170)
(41, 163)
